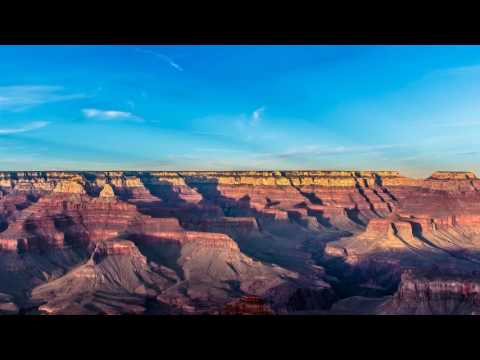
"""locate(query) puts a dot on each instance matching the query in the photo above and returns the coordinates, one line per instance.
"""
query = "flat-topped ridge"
(453, 175)
(80, 181)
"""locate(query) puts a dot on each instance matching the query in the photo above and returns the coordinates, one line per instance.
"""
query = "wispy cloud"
(257, 115)
(316, 151)
(241, 123)
(29, 127)
(22, 97)
(162, 57)
(110, 115)
(438, 156)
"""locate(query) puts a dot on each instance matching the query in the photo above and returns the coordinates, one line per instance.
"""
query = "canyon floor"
(239, 243)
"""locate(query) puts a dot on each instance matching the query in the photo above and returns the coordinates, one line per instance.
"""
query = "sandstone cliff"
(434, 294)
(192, 242)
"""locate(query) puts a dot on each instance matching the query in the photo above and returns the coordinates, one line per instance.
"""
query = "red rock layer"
(434, 294)
(247, 305)
(66, 220)
(206, 223)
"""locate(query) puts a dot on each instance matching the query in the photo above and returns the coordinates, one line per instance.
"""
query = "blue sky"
(410, 108)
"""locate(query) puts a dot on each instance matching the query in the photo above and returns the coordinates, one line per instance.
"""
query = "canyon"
(239, 243)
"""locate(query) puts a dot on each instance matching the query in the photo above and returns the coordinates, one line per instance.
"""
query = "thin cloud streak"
(32, 126)
(161, 56)
(312, 151)
(21, 97)
(110, 115)
(257, 115)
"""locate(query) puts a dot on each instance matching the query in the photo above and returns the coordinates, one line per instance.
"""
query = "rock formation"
(247, 305)
(214, 242)
(435, 293)
(107, 191)
(421, 293)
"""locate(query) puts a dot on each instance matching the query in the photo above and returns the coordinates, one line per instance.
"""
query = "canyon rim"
(239, 242)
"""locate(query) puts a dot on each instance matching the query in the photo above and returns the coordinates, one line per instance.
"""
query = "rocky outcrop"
(107, 191)
(115, 280)
(437, 219)
(118, 247)
(193, 242)
(381, 236)
(247, 305)
(434, 294)
(179, 273)
(69, 187)
(453, 175)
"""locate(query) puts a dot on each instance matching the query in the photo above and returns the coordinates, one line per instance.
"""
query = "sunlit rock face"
(234, 242)
(107, 191)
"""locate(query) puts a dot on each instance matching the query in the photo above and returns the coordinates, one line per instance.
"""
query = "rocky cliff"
(434, 293)
(195, 242)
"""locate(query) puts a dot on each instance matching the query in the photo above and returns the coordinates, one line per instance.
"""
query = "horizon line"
(236, 170)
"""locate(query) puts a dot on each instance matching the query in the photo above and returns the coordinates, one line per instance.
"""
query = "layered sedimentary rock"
(192, 242)
(110, 282)
(433, 293)
(107, 191)
(247, 305)
(177, 272)
(440, 214)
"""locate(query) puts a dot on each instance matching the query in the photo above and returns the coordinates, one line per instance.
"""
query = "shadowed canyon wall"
(234, 242)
